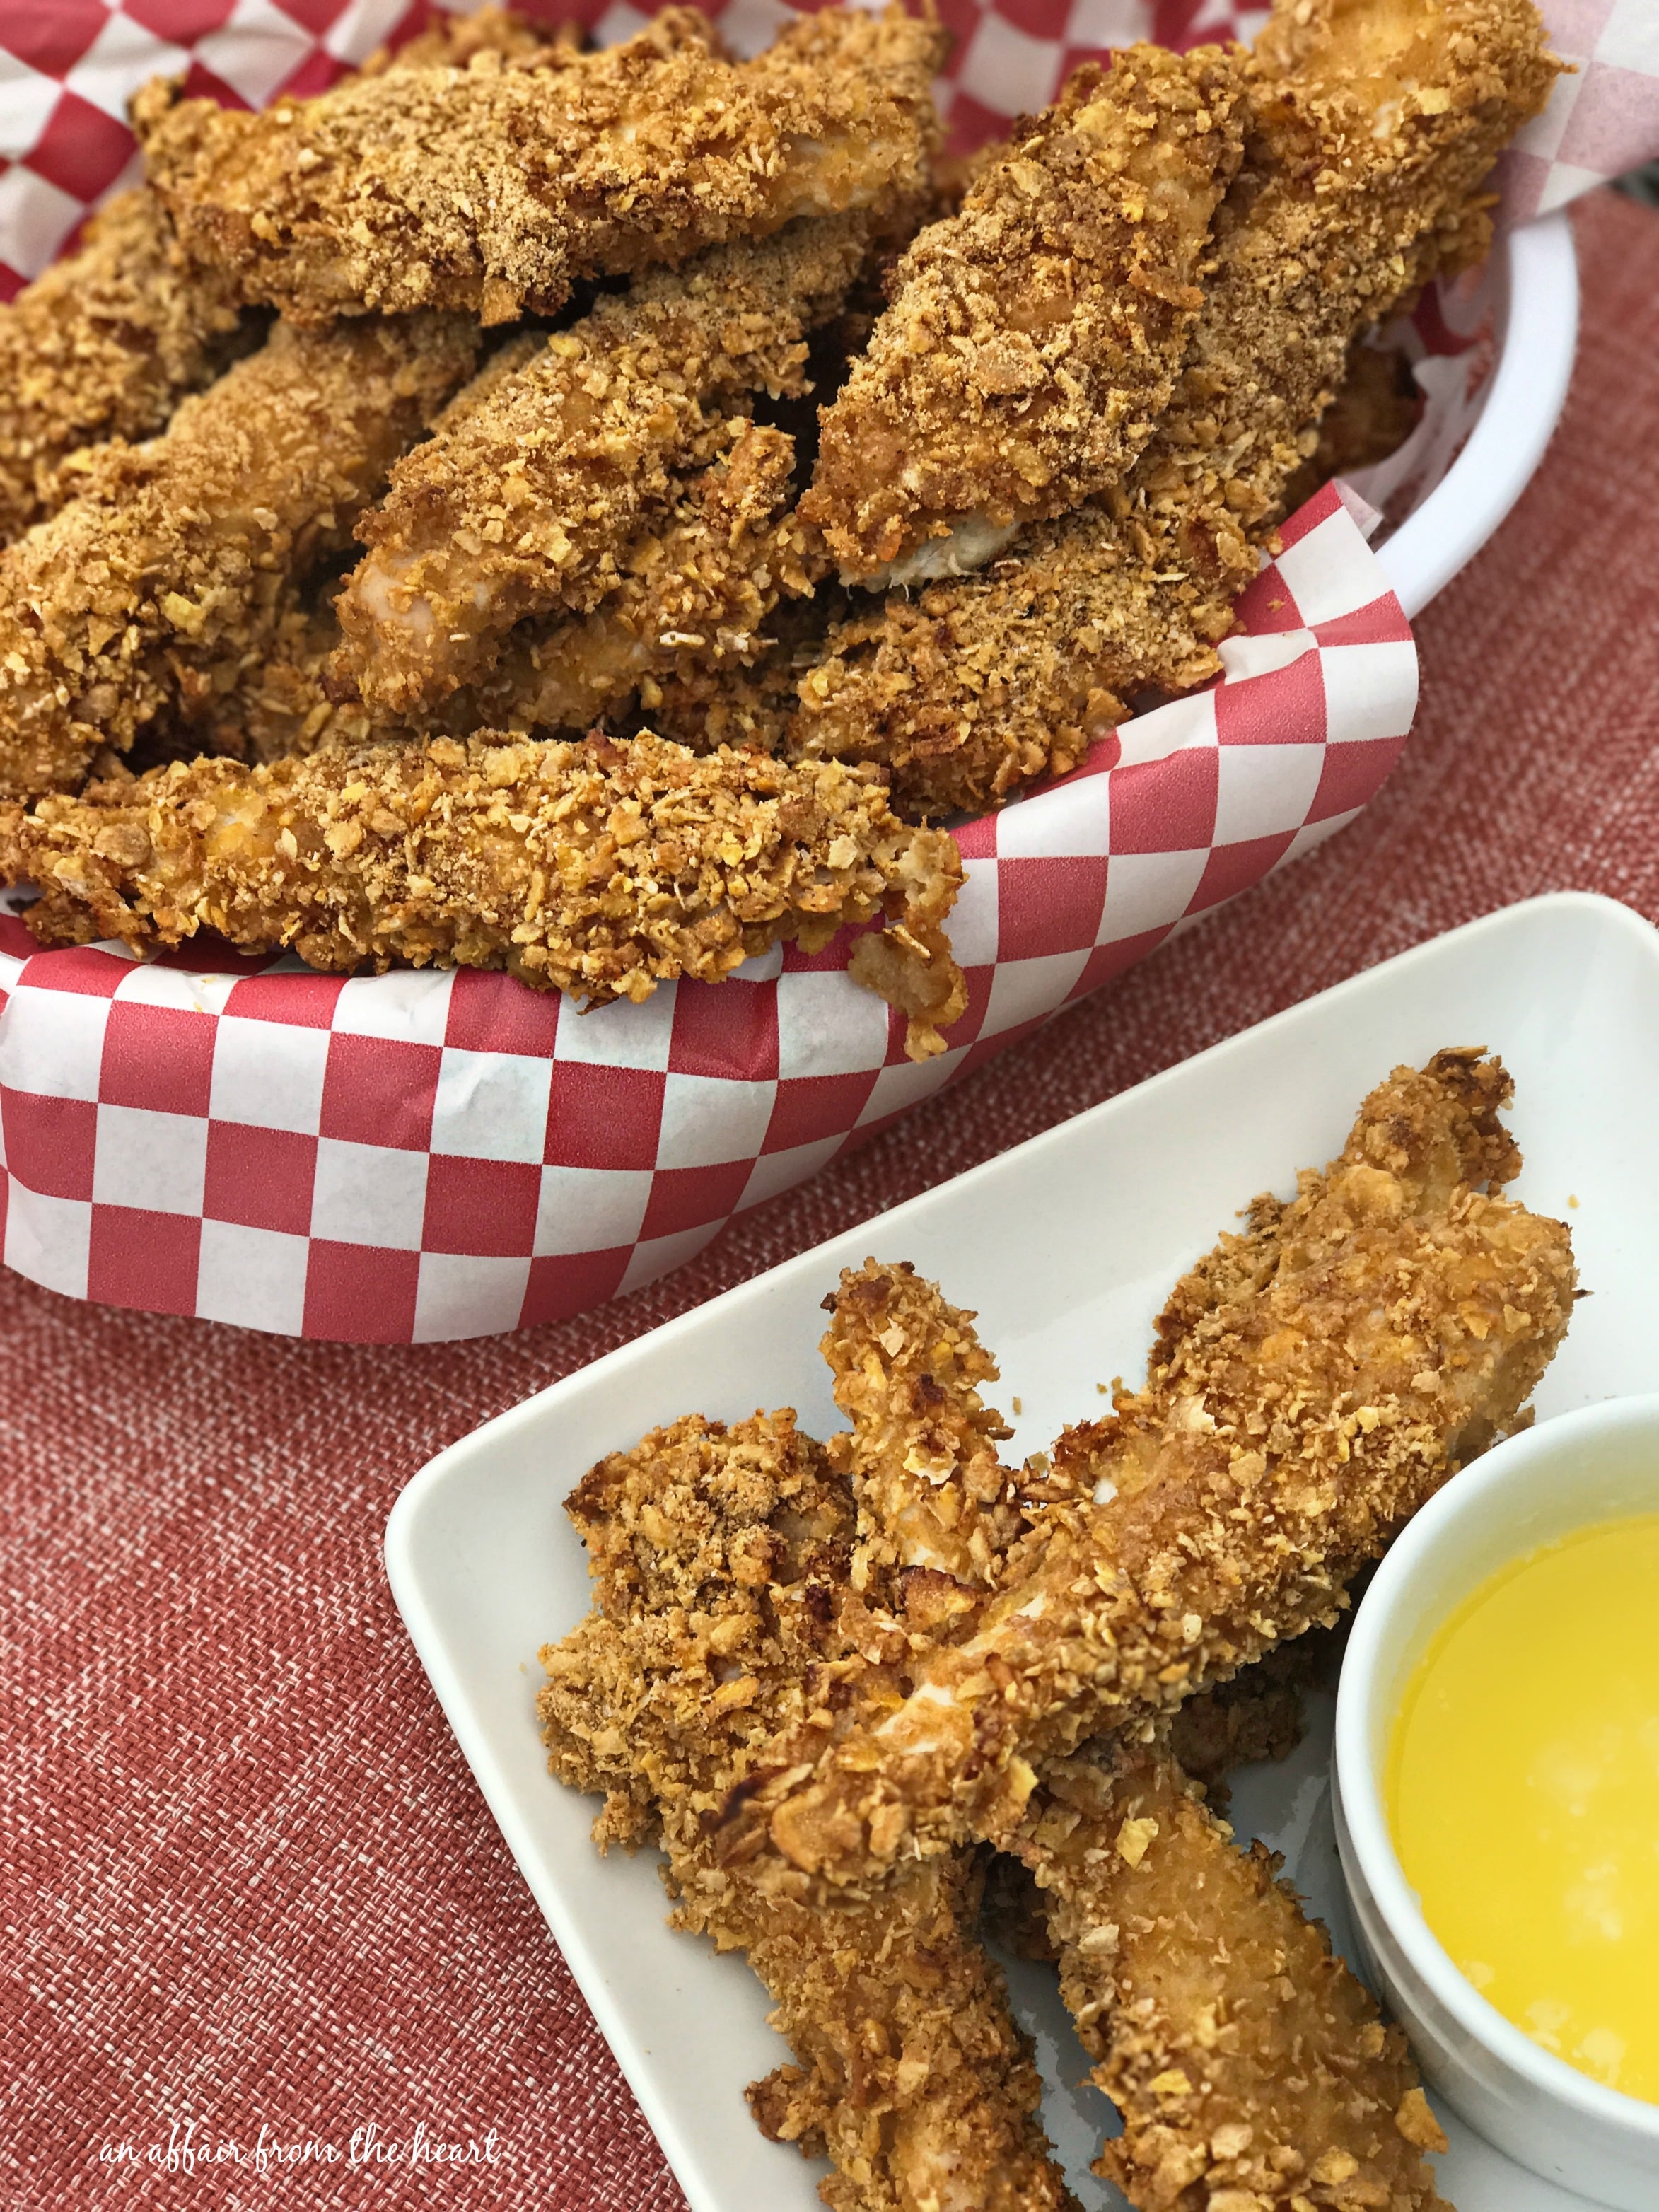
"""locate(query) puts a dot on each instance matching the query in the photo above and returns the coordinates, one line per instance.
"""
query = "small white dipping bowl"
(1573, 1473)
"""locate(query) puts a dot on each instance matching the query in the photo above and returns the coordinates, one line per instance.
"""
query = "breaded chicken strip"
(1376, 123)
(1314, 1382)
(1173, 1946)
(720, 1560)
(528, 504)
(979, 686)
(494, 187)
(937, 1507)
(1034, 337)
(738, 705)
(106, 342)
(592, 868)
(689, 597)
(1250, 2067)
(104, 345)
(1376, 407)
(178, 555)
(450, 41)
(1256, 1715)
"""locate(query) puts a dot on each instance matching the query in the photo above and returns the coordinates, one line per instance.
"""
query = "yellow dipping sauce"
(1523, 1794)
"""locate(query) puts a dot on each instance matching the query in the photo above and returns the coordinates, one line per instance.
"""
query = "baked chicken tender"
(104, 345)
(450, 41)
(937, 1507)
(687, 599)
(1250, 2067)
(1314, 1382)
(495, 187)
(1033, 336)
(592, 868)
(1375, 125)
(525, 504)
(174, 562)
(720, 1557)
(1239, 2049)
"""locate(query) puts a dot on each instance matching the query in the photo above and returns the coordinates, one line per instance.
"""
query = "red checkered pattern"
(422, 1155)
(68, 69)
(1600, 122)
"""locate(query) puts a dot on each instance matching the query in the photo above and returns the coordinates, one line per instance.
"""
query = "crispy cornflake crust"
(1314, 1382)
(170, 571)
(494, 187)
(688, 600)
(1375, 125)
(1035, 336)
(598, 869)
(936, 1505)
(525, 502)
(1252, 2071)
(104, 345)
(757, 1595)
(723, 1613)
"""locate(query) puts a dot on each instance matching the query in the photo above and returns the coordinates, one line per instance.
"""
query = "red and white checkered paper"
(420, 1156)
(425, 1154)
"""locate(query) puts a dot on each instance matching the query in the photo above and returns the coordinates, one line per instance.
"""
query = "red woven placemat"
(249, 1881)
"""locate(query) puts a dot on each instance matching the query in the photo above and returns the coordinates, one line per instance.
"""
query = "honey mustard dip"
(1523, 1794)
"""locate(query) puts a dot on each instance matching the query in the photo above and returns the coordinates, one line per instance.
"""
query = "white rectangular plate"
(1066, 1246)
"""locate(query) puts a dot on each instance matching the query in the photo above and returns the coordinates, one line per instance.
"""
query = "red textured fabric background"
(245, 1878)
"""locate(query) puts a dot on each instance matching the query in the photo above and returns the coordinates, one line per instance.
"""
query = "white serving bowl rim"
(1535, 341)
(1360, 1790)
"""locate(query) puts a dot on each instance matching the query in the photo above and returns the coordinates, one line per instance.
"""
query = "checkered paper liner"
(426, 1155)
(420, 1156)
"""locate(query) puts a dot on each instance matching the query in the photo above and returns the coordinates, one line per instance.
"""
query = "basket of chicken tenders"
(586, 619)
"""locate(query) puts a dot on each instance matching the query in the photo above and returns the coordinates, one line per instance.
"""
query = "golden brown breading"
(1310, 1387)
(1033, 339)
(1250, 2067)
(598, 869)
(527, 504)
(1376, 407)
(494, 187)
(745, 705)
(178, 555)
(450, 41)
(721, 1560)
(268, 702)
(1375, 122)
(980, 685)
(1257, 1715)
(937, 1507)
(104, 345)
(687, 599)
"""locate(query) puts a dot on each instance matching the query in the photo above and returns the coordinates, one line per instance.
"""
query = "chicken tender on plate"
(1314, 1382)
(1034, 337)
(1249, 2066)
(1239, 2051)
(596, 869)
(723, 1615)
(935, 1506)
(494, 187)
